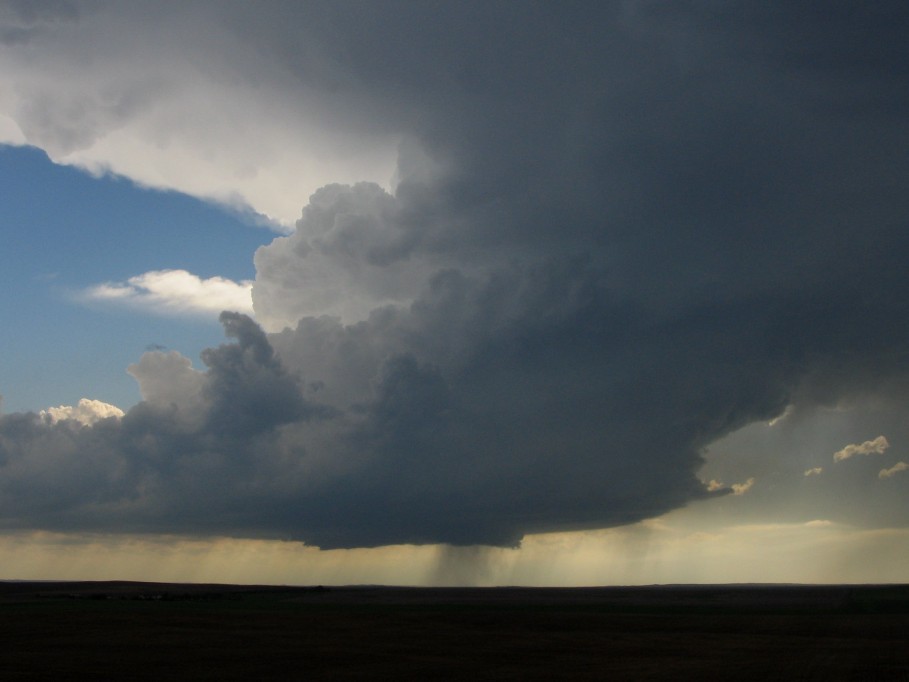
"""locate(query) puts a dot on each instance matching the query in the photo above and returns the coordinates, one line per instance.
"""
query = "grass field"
(147, 631)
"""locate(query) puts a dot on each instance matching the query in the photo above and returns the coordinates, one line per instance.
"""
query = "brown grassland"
(149, 631)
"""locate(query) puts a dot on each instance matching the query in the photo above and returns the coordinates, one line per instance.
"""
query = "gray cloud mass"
(617, 235)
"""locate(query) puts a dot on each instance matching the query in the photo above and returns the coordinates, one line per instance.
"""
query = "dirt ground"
(148, 631)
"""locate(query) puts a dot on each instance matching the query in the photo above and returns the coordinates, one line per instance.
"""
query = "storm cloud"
(615, 236)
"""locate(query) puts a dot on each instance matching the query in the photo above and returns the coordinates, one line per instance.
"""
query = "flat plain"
(154, 631)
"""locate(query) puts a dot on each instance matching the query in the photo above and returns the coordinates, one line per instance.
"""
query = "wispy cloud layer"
(175, 292)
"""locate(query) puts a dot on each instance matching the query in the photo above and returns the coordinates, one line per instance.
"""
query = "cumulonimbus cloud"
(174, 292)
(605, 249)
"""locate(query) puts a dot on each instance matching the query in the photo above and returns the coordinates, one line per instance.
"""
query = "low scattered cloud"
(715, 486)
(742, 488)
(870, 447)
(175, 292)
(892, 471)
(814, 471)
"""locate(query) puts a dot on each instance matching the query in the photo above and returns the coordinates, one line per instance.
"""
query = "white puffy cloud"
(892, 471)
(85, 412)
(175, 292)
(870, 447)
(814, 471)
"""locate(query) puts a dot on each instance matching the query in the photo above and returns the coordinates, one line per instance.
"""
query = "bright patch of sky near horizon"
(63, 230)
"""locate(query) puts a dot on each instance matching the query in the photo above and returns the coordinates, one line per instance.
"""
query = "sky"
(474, 293)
